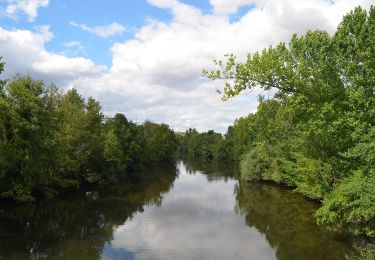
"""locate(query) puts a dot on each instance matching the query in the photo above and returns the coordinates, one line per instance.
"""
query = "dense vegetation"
(80, 225)
(215, 146)
(317, 132)
(51, 140)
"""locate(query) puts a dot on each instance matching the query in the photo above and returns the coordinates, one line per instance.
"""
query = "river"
(190, 211)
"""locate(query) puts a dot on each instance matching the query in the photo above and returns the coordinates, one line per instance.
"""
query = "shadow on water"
(78, 227)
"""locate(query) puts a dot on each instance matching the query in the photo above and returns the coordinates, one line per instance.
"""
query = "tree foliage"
(50, 140)
(316, 133)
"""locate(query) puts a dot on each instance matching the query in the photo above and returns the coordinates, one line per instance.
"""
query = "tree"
(316, 132)
(26, 152)
(50, 141)
(2, 82)
(79, 136)
(160, 143)
(122, 145)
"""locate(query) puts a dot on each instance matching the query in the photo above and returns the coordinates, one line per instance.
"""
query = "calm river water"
(189, 212)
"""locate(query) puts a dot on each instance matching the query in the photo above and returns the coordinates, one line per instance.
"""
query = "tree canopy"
(317, 131)
(51, 140)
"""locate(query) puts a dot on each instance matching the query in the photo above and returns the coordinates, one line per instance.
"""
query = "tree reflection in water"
(286, 220)
(79, 227)
(205, 213)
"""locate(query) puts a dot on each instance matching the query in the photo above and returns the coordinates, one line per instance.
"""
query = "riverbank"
(314, 127)
(202, 210)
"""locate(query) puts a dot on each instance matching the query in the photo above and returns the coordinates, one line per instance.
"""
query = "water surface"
(189, 212)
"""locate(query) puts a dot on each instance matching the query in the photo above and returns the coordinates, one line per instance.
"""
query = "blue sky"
(144, 58)
(129, 13)
(58, 14)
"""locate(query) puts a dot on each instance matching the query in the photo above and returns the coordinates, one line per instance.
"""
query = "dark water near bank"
(191, 212)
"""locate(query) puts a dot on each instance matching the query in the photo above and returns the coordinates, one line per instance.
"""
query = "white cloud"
(23, 52)
(159, 71)
(73, 44)
(28, 7)
(74, 49)
(229, 7)
(157, 74)
(102, 31)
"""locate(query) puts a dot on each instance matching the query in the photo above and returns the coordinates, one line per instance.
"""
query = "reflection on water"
(78, 227)
(195, 221)
(201, 213)
(286, 221)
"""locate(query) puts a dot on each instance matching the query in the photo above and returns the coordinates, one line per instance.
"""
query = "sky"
(144, 58)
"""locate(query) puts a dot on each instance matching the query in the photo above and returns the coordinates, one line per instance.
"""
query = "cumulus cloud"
(28, 7)
(160, 69)
(104, 31)
(157, 74)
(23, 52)
(228, 7)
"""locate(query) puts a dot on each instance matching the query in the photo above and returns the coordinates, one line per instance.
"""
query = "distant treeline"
(317, 132)
(51, 140)
(210, 145)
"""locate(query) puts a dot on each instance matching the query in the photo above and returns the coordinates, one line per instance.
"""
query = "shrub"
(351, 205)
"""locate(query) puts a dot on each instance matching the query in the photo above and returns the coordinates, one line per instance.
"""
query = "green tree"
(317, 131)
(2, 82)
(27, 130)
(122, 145)
(80, 148)
(159, 143)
